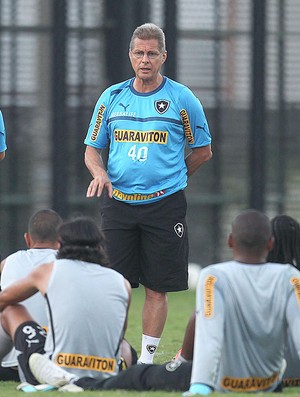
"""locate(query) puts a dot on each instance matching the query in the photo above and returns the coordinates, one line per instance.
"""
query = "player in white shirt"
(42, 241)
(245, 309)
(87, 307)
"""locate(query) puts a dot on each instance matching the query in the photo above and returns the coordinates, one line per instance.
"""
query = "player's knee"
(30, 338)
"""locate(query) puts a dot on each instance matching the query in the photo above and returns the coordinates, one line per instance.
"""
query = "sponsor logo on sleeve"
(98, 123)
(187, 126)
(295, 281)
(209, 286)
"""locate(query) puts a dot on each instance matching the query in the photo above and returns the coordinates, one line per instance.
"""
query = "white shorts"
(6, 346)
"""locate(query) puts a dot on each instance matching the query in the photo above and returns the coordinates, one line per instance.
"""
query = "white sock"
(149, 346)
(181, 359)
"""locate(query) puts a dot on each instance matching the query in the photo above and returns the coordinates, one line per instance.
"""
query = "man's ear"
(28, 239)
(230, 240)
(164, 57)
(270, 243)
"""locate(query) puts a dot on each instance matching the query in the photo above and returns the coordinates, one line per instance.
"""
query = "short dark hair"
(43, 225)
(149, 31)
(81, 239)
(251, 230)
(286, 232)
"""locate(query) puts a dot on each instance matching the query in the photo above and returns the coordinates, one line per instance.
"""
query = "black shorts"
(9, 373)
(148, 243)
(168, 377)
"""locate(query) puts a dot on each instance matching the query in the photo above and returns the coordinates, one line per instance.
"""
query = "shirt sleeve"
(97, 134)
(194, 120)
(11, 271)
(209, 328)
(293, 313)
(3, 146)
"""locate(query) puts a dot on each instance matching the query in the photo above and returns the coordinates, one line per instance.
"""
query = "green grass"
(181, 305)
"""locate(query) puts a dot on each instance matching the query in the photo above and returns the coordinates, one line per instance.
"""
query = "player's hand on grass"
(198, 389)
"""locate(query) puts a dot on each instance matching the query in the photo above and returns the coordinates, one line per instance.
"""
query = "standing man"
(3, 146)
(146, 122)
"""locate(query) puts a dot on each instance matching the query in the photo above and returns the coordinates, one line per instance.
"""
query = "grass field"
(181, 305)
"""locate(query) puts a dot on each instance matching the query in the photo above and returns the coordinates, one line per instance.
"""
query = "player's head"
(149, 31)
(286, 232)
(81, 239)
(42, 227)
(251, 233)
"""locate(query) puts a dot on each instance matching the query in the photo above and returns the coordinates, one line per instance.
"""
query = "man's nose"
(145, 57)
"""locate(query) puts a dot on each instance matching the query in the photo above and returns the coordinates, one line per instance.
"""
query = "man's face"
(146, 59)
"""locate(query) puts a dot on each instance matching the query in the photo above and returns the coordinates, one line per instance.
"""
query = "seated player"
(246, 302)
(87, 305)
(286, 249)
(42, 241)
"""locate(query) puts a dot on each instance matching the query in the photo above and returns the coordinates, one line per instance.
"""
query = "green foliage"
(181, 305)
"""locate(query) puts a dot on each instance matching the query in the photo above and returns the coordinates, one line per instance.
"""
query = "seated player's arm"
(36, 280)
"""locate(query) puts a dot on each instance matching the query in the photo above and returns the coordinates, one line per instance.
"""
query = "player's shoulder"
(218, 271)
(13, 265)
(181, 93)
(284, 269)
(30, 257)
(174, 85)
(15, 257)
(112, 92)
(177, 86)
(115, 89)
(219, 267)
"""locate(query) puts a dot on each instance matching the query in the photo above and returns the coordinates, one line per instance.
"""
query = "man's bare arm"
(94, 163)
(197, 157)
(37, 280)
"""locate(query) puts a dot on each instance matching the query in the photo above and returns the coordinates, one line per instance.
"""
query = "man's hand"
(97, 185)
(94, 163)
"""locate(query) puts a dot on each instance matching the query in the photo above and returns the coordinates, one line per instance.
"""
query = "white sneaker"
(46, 371)
(71, 388)
(28, 388)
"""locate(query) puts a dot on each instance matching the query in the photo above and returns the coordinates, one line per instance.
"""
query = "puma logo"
(124, 106)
